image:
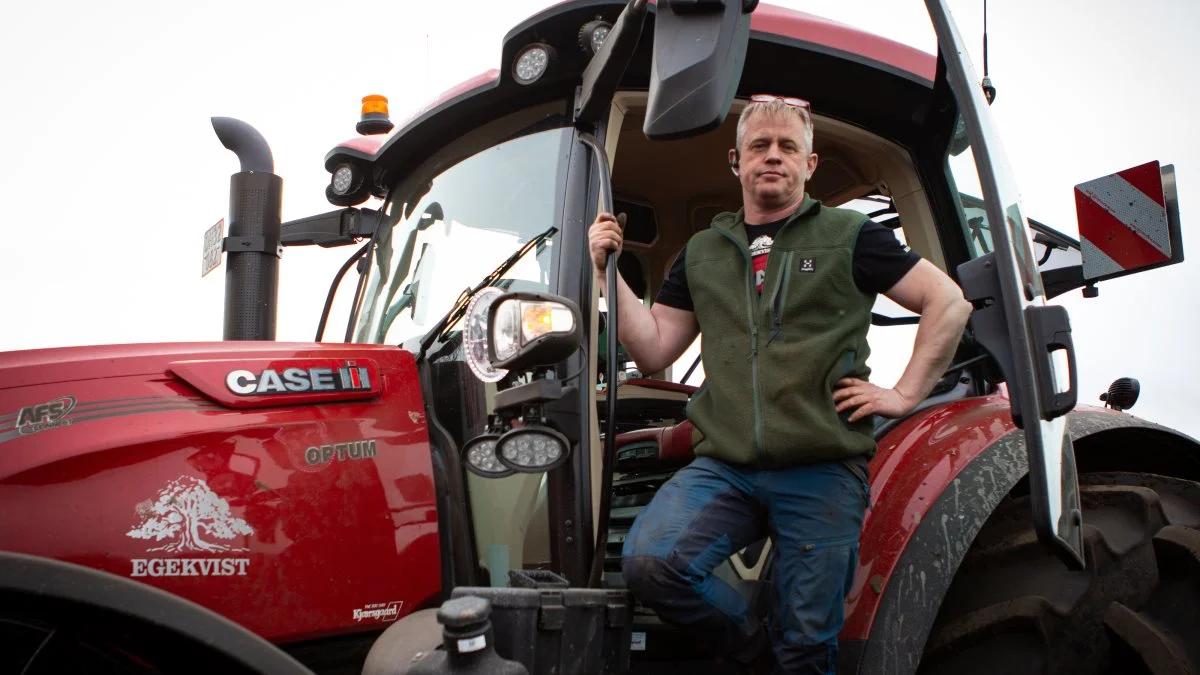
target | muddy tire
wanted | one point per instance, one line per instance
(1013, 608)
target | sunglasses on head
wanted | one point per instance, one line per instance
(789, 100)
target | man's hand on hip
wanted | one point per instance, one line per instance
(869, 399)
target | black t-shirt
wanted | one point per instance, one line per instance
(880, 260)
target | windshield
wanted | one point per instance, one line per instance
(475, 214)
(1051, 249)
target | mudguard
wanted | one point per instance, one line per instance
(935, 480)
(164, 629)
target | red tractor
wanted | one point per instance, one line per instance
(479, 444)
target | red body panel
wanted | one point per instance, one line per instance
(915, 464)
(789, 23)
(296, 521)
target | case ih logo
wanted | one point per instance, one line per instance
(383, 611)
(190, 518)
(299, 380)
(35, 418)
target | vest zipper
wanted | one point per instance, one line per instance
(780, 300)
(751, 306)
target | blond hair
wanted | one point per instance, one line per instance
(773, 109)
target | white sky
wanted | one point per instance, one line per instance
(111, 171)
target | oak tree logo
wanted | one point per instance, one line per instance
(189, 516)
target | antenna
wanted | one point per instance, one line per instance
(988, 89)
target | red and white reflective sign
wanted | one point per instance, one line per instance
(1123, 221)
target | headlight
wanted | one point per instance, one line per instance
(518, 323)
(505, 332)
(532, 329)
(532, 449)
(475, 335)
(480, 457)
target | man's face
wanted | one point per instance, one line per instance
(774, 164)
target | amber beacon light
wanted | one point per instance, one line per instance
(375, 119)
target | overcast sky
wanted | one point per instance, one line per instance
(111, 171)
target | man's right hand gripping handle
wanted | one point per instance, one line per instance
(653, 337)
(604, 239)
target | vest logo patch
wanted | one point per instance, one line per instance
(806, 265)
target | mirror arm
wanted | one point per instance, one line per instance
(604, 72)
(334, 228)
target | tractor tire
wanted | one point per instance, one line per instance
(1015, 608)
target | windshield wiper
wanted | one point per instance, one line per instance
(460, 305)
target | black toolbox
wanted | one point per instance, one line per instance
(555, 630)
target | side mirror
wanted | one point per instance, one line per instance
(1128, 222)
(699, 51)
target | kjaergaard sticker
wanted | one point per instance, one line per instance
(379, 611)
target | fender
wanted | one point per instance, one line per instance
(168, 630)
(950, 464)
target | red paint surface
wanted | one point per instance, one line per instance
(367, 145)
(915, 463)
(321, 540)
(789, 23)
(811, 28)
(481, 81)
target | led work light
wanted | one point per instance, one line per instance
(532, 449)
(481, 460)
(532, 62)
(348, 185)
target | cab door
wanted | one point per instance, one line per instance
(1030, 340)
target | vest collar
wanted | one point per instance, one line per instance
(735, 223)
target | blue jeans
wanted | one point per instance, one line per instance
(709, 510)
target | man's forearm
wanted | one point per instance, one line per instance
(637, 327)
(938, 334)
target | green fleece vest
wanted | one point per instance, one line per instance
(771, 361)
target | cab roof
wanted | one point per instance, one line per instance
(416, 137)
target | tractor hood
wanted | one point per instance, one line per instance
(230, 474)
(84, 397)
(74, 364)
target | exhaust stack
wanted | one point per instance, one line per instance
(253, 246)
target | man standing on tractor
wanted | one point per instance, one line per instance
(782, 293)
